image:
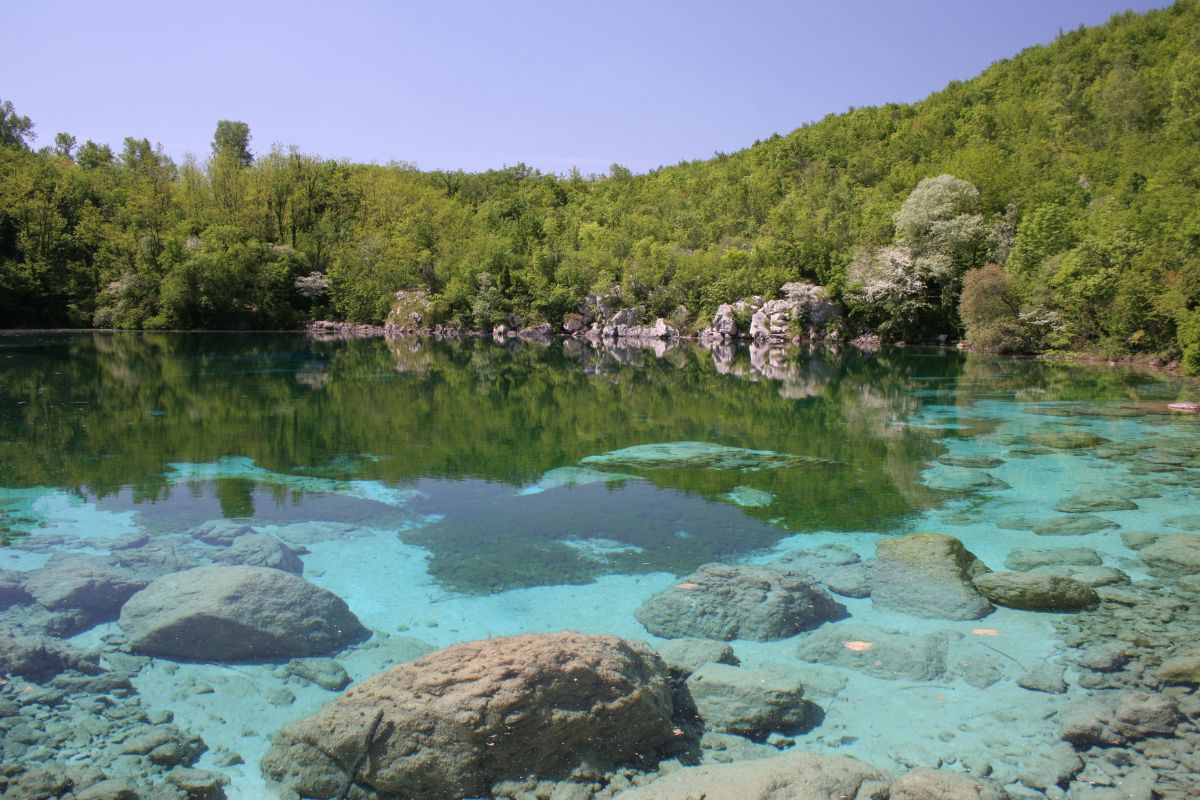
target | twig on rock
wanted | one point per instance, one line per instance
(358, 762)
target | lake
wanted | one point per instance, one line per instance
(442, 492)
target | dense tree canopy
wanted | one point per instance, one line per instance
(1075, 166)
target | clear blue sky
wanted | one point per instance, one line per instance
(474, 85)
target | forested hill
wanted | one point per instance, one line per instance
(1075, 166)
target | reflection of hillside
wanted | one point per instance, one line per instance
(105, 411)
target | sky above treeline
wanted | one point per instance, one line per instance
(479, 85)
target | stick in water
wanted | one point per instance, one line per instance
(358, 762)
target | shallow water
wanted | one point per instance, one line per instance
(464, 490)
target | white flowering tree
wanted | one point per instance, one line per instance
(907, 287)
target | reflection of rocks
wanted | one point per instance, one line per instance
(795, 776)
(1036, 591)
(456, 721)
(876, 652)
(739, 602)
(224, 613)
(694, 455)
(750, 702)
(928, 575)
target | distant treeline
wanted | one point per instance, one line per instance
(1053, 202)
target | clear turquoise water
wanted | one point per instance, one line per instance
(460, 490)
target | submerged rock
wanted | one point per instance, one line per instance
(1023, 559)
(40, 657)
(262, 550)
(224, 613)
(1066, 440)
(971, 462)
(1088, 576)
(964, 480)
(685, 656)
(929, 784)
(12, 588)
(221, 532)
(1095, 501)
(928, 575)
(324, 672)
(1045, 677)
(695, 455)
(1182, 669)
(1172, 556)
(749, 702)
(88, 583)
(1127, 717)
(725, 602)
(1073, 525)
(454, 722)
(795, 776)
(1036, 591)
(883, 654)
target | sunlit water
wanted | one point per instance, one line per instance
(465, 490)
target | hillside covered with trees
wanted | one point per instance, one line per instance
(1053, 202)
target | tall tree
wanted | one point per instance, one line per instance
(15, 130)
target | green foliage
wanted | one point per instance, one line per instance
(991, 311)
(1073, 164)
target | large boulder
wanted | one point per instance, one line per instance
(749, 702)
(725, 602)
(795, 776)
(454, 722)
(1172, 556)
(221, 613)
(928, 575)
(1036, 591)
(88, 583)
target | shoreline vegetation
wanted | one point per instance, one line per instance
(1049, 205)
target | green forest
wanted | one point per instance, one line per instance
(1050, 204)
